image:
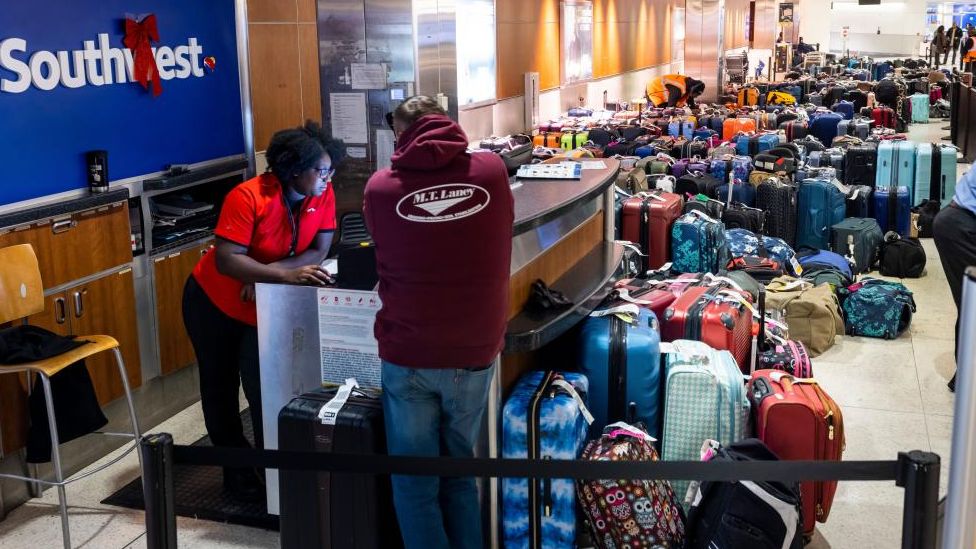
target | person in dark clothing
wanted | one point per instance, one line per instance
(954, 231)
(276, 227)
(674, 90)
(442, 221)
(937, 48)
(953, 37)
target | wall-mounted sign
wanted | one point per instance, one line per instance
(786, 12)
(70, 84)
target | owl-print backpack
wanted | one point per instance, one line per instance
(637, 514)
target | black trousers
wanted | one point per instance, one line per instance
(227, 357)
(954, 230)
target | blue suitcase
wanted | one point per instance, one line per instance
(893, 210)
(751, 145)
(923, 173)
(844, 108)
(920, 108)
(896, 165)
(542, 419)
(681, 127)
(698, 244)
(823, 126)
(820, 206)
(622, 361)
(935, 173)
(743, 192)
(740, 167)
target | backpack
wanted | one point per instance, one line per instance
(901, 257)
(741, 514)
(636, 512)
(878, 308)
(812, 312)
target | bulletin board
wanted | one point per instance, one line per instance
(68, 84)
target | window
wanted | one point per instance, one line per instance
(475, 26)
(577, 41)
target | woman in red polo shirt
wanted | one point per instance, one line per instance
(276, 227)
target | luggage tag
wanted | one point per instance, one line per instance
(628, 313)
(330, 412)
(571, 391)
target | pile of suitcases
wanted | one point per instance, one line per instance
(753, 250)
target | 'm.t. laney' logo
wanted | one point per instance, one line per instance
(440, 203)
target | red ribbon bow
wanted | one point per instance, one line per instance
(139, 36)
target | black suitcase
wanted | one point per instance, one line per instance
(319, 509)
(859, 201)
(860, 165)
(740, 216)
(778, 200)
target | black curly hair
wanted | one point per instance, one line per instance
(295, 150)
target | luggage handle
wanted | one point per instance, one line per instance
(571, 391)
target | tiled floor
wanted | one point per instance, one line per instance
(892, 393)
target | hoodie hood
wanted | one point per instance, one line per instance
(432, 142)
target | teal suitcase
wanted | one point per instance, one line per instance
(935, 173)
(896, 165)
(704, 398)
(920, 108)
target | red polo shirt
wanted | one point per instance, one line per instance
(255, 215)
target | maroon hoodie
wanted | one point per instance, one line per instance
(442, 221)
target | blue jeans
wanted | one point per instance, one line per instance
(430, 413)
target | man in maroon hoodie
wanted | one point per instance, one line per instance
(442, 221)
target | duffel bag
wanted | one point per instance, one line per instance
(812, 312)
(878, 308)
(901, 257)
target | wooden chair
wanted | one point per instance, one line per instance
(22, 295)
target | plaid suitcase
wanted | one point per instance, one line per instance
(704, 398)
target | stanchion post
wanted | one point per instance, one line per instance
(959, 531)
(918, 474)
(157, 490)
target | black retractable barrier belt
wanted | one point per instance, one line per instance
(784, 471)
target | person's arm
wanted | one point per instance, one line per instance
(315, 254)
(233, 261)
(674, 95)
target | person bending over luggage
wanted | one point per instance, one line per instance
(954, 231)
(442, 222)
(276, 227)
(674, 90)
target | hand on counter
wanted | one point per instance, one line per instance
(313, 275)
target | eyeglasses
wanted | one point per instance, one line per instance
(325, 173)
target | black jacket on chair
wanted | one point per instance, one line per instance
(76, 406)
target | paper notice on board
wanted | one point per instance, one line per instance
(348, 347)
(348, 114)
(368, 76)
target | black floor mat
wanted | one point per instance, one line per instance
(198, 493)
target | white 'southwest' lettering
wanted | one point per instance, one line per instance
(94, 65)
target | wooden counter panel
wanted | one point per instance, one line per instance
(78, 245)
(550, 266)
(554, 262)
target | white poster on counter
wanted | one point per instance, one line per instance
(347, 344)
(348, 114)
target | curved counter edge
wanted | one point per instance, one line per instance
(539, 201)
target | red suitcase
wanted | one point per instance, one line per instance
(705, 314)
(647, 221)
(884, 117)
(656, 295)
(799, 421)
